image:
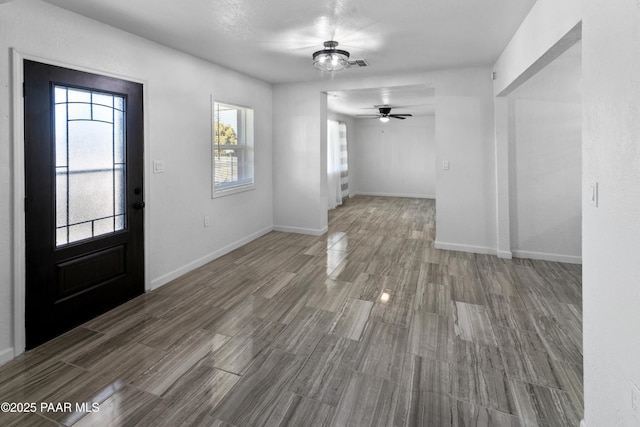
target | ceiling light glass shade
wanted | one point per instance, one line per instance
(384, 119)
(330, 58)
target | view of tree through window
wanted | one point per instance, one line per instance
(225, 134)
(232, 148)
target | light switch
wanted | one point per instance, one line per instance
(445, 165)
(158, 166)
(593, 194)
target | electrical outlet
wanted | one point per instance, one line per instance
(206, 220)
(635, 400)
(445, 165)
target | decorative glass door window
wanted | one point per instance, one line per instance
(90, 164)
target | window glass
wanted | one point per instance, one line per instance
(232, 149)
(90, 164)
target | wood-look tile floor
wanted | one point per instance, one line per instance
(365, 325)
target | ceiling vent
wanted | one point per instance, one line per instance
(359, 63)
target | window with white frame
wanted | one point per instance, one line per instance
(337, 163)
(232, 149)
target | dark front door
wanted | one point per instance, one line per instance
(84, 197)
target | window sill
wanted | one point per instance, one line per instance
(235, 190)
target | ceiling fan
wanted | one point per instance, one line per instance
(332, 59)
(385, 114)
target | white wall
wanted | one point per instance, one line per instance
(528, 50)
(299, 205)
(397, 158)
(177, 109)
(465, 194)
(545, 162)
(611, 158)
(611, 232)
(463, 134)
(550, 28)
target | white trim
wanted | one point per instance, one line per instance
(508, 254)
(464, 248)
(504, 254)
(19, 262)
(410, 196)
(233, 190)
(77, 67)
(166, 278)
(6, 355)
(17, 172)
(570, 259)
(299, 230)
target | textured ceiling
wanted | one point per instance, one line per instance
(273, 40)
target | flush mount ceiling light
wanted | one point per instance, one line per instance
(330, 58)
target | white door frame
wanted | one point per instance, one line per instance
(18, 175)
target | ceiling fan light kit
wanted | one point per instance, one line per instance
(385, 114)
(330, 58)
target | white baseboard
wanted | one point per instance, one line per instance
(569, 259)
(299, 230)
(410, 196)
(583, 423)
(6, 355)
(464, 248)
(166, 278)
(504, 254)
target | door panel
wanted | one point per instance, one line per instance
(89, 270)
(84, 176)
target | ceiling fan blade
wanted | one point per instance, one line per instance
(397, 117)
(400, 115)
